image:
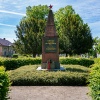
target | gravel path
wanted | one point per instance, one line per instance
(49, 93)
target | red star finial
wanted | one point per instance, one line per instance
(50, 6)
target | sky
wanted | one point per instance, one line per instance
(12, 11)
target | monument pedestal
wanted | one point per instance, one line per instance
(50, 52)
(50, 46)
(60, 69)
(53, 65)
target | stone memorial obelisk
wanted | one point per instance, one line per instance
(50, 45)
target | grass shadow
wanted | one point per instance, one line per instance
(76, 70)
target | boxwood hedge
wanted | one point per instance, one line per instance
(4, 84)
(13, 63)
(29, 76)
(94, 79)
(77, 61)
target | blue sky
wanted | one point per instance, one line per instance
(11, 12)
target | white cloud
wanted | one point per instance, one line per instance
(89, 10)
(7, 25)
(8, 37)
(10, 12)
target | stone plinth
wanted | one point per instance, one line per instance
(50, 46)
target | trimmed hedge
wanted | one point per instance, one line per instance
(15, 56)
(29, 76)
(4, 83)
(13, 63)
(94, 79)
(79, 61)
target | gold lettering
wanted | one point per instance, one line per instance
(50, 42)
(48, 48)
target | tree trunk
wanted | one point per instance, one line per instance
(34, 55)
(66, 54)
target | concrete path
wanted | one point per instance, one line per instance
(49, 93)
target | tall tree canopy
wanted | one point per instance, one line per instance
(30, 30)
(75, 35)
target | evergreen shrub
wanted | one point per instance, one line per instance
(77, 61)
(4, 84)
(94, 80)
(15, 56)
(29, 76)
(13, 63)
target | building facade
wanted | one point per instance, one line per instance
(6, 49)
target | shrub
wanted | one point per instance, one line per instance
(2, 59)
(81, 61)
(94, 79)
(86, 62)
(28, 76)
(97, 60)
(4, 84)
(1, 62)
(12, 63)
(15, 56)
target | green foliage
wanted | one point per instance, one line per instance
(75, 36)
(83, 62)
(30, 31)
(13, 63)
(97, 60)
(97, 44)
(4, 84)
(28, 75)
(1, 61)
(15, 56)
(96, 47)
(94, 80)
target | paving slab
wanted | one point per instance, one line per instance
(49, 93)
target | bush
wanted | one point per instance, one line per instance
(2, 59)
(28, 76)
(81, 61)
(4, 84)
(15, 56)
(12, 63)
(94, 79)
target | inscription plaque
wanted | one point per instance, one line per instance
(50, 44)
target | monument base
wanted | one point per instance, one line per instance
(60, 69)
(53, 65)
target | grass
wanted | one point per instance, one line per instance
(28, 75)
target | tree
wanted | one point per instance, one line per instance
(96, 44)
(30, 30)
(96, 47)
(72, 31)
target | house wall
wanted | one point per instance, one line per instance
(6, 51)
(0, 50)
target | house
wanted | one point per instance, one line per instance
(6, 48)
